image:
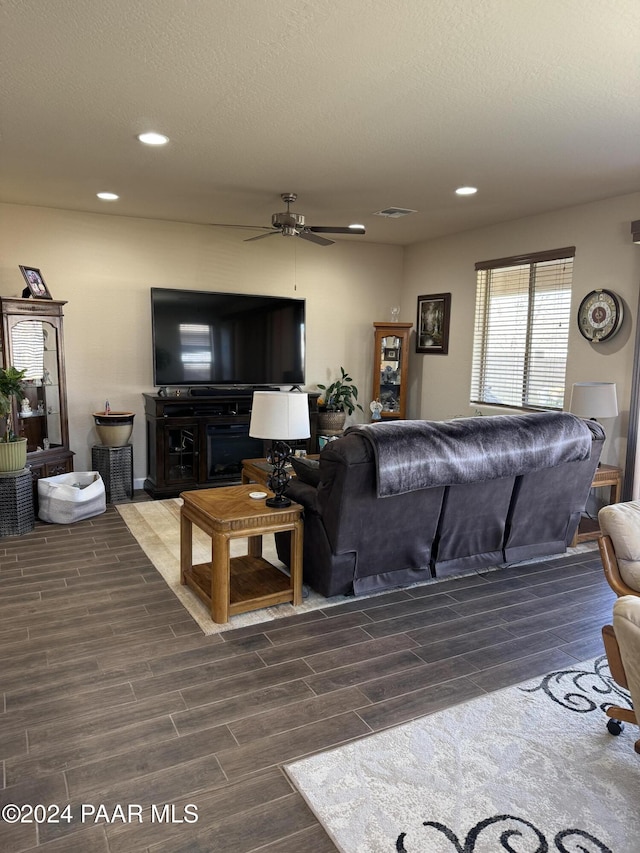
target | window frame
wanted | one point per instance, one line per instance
(481, 356)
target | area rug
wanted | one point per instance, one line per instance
(156, 527)
(527, 769)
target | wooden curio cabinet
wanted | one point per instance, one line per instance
(391, 368)
(32, 340)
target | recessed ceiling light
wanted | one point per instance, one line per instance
(466, 191)
(153, 138)
(356, 226)
(108, 196)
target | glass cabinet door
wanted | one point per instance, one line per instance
(390, 373)
(34, 346)
(391, 360)
(182, 456)
(32, 340)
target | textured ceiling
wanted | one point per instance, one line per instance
(356, 105)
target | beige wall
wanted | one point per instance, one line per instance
(605, 257)
(104, 265)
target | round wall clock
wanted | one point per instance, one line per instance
(600, 315)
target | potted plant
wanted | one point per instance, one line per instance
(13, 449)
(339, 400)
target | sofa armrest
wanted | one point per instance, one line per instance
(302, 493)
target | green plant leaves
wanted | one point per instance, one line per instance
(10, 389)
(341, 395)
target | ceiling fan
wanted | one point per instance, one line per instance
(292, 224)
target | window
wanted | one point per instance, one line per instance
(521, 335)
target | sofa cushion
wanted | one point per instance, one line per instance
(622, 523)
(307, 470)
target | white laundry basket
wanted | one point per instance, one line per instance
(71, 497)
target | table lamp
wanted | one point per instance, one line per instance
(281, 416)
(594, 400)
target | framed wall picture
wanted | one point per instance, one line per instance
(432, 326)
(35, 283)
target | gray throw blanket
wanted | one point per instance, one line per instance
(413, 455)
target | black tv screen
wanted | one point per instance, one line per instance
(208, 338)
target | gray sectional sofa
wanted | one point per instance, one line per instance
(404, 501)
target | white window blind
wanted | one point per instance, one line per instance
(521, 334)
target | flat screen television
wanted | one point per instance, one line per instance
(207, 338)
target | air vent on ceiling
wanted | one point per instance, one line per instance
(394, 212)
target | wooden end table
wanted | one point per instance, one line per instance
(259, 470)
(605, 475)
(230, 585)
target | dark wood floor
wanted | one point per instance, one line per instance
(113, 696)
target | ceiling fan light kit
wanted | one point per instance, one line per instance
(290, 224)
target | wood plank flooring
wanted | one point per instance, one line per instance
(111, 695)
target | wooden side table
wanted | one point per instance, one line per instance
(258, 470)
(230, 585)
(606, 475)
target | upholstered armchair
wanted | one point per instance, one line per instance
(622, 645)
(620, 552)
(620, 546)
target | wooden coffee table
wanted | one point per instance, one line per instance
(230, 585)
(258, 470)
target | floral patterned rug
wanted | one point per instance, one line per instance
(527, 769)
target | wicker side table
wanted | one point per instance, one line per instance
(115, 466)
(16, 503)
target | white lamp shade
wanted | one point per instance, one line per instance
(594, 400)
(280, 415)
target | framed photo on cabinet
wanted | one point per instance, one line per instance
(432, 325)
(35, 283)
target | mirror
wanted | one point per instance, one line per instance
(34, 348)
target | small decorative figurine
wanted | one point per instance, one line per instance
(376, 407)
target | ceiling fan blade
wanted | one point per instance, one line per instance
(260, 236)
(306, 234)
(326, 229)
(246, 227)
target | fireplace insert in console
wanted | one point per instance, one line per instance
(227, 446)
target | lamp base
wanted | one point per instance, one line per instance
(278, 502)
(277, 482)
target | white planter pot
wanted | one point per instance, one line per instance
(13, 455)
